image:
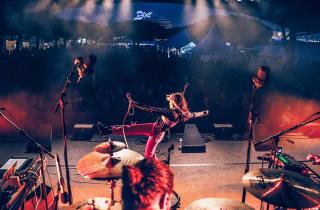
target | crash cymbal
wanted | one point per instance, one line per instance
(217, 204)
(98, 203)
(282, 188)
(105, 147)
(100, 166)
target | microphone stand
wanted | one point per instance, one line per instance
(169, 154)
(251, 122)
(61, 105)
(42, 151)
(276, 136)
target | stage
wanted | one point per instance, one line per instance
(216, 173)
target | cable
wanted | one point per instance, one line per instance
(125, 118)
(51, 185)
(82, 182)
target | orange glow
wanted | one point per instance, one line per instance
(283, 111)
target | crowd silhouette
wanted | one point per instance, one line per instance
(221, 85)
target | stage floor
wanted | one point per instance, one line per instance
(216, 173)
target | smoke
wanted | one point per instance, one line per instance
(28, 110)
(282, 111)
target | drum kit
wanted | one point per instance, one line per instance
(283, 188)
(276, 186)
(105, 163)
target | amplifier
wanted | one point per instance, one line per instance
(83, 132)
(223, 131)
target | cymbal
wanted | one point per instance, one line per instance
(105, 147)
(100, 166)
(98, 203)
(217, 204)
(282, 188)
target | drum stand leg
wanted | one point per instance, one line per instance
(112, 187)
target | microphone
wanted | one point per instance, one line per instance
(78, 61)
(128, 95)
(261, 77)
(85, 67)
(64, 196)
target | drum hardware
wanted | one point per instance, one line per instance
(98, 203)
(282, 188)
(286, 162)
(275, 138)
(106, 165)
(217, 204)
(175, 198)
(109, 147)
(94, 165)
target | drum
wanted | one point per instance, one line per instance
(175, 201)
(97, 203)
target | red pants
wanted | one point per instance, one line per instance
(151, 130)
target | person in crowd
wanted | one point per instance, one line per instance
(147, 186)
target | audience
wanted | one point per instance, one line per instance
(222, 85)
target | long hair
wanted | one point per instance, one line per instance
(144, 183)
(178, 103)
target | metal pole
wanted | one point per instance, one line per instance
(251, 121)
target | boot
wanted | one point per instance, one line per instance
(104, 130)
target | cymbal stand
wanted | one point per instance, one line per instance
(112, 187)
(112, 182)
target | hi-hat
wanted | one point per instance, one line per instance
(282, 188)
(98, 203)
(100, 166)
(217, 204)
(109, 147)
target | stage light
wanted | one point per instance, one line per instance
(125, 12)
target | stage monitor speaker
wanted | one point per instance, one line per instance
(44, 136)
(83, 132)
(223, 131)
(192, 141)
